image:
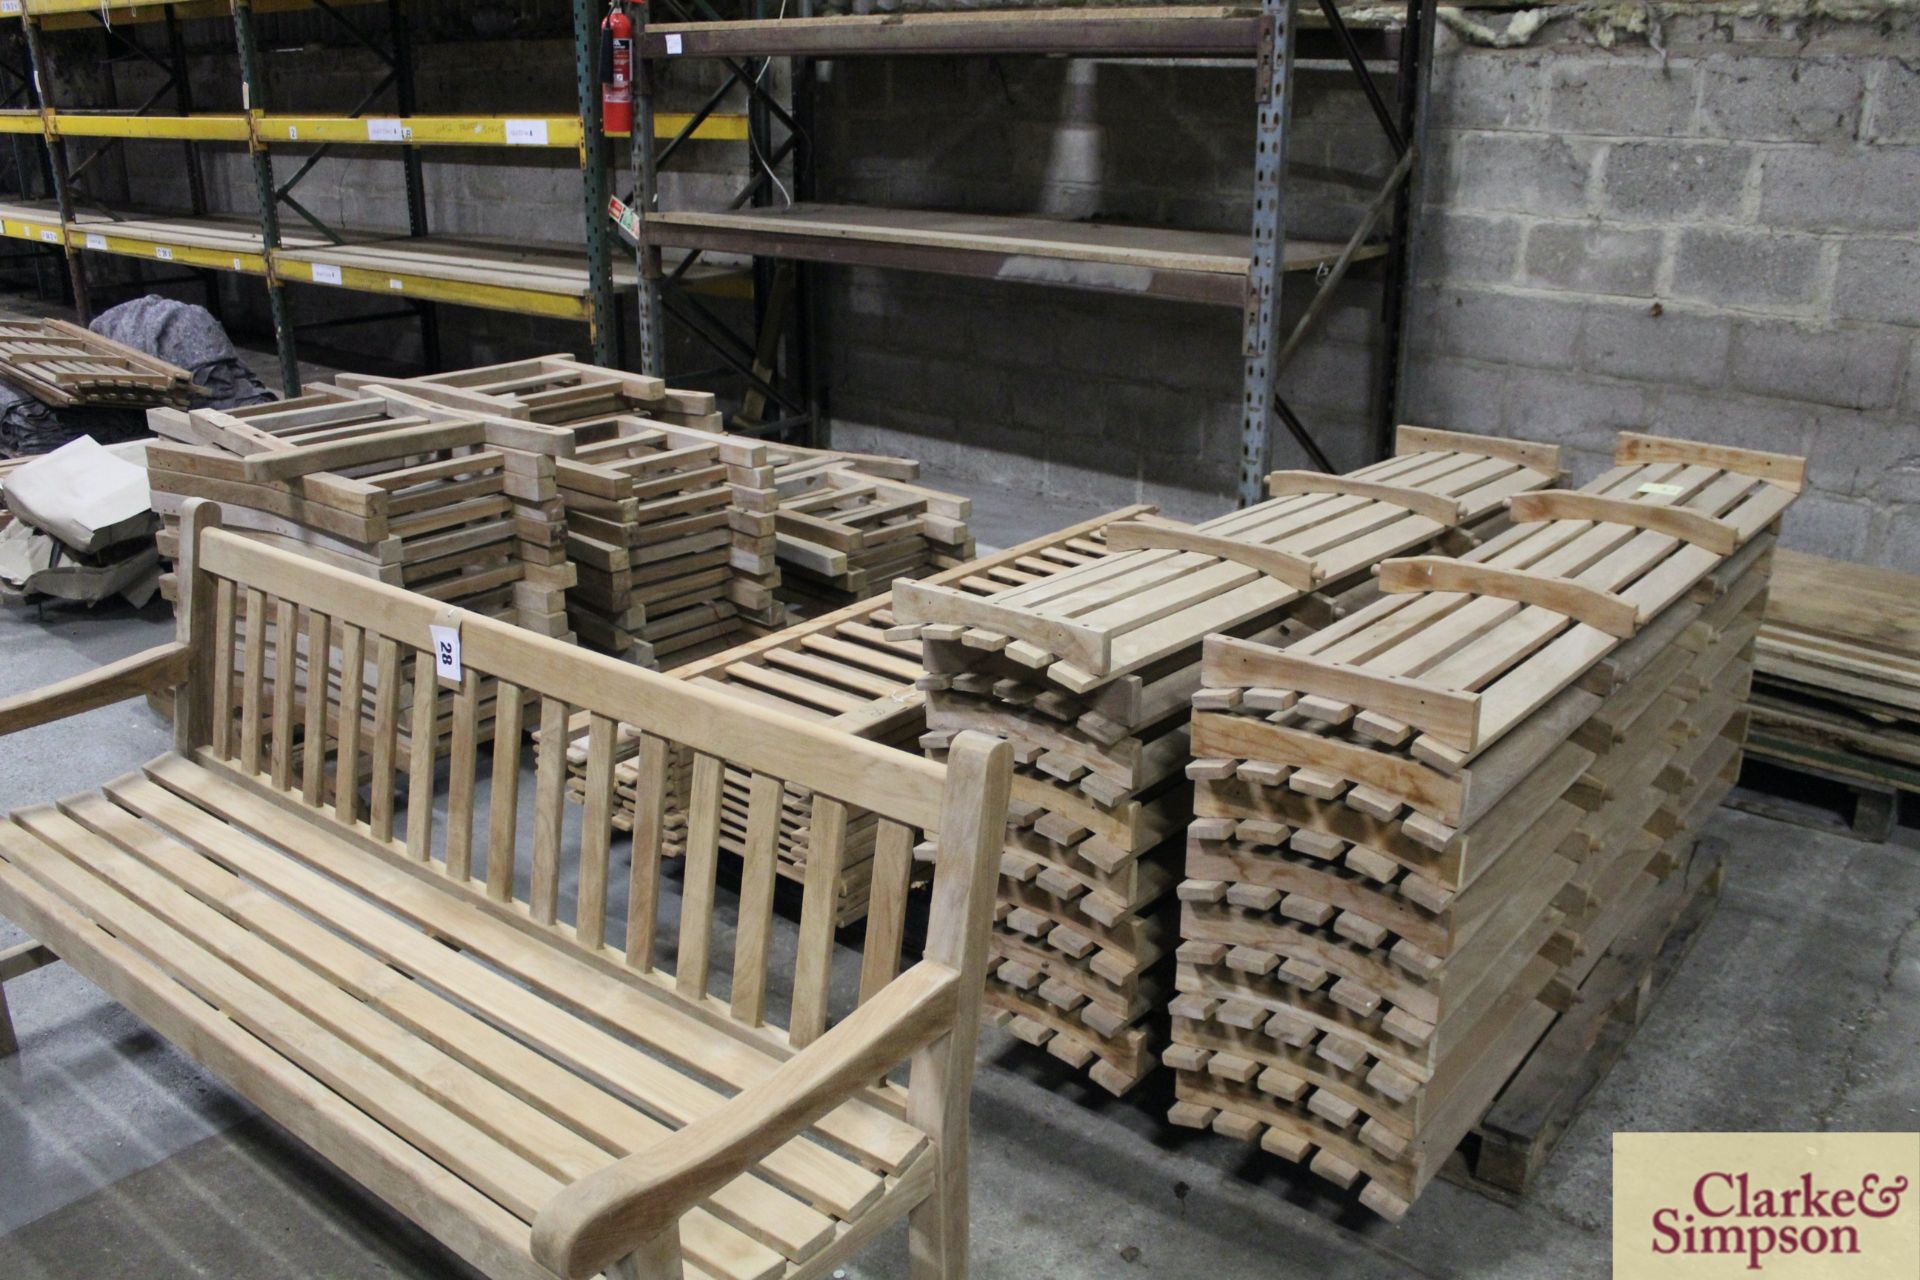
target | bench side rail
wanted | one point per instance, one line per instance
(332, 676)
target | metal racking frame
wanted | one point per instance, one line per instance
(422, 274)
(1268, 33)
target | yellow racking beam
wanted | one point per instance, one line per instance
(495, 297)
(56, 15)
(187, 255)
(195, 128)
(470, 131)
(476, 131)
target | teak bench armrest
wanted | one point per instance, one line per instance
(161, 667)
(634, 1205)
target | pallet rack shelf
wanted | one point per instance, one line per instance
(1243, 271)
(575, 282)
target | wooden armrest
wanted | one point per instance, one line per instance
(631, 1203)
(160, 667)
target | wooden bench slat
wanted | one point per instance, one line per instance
(286, 682)
(702, 863)
(596, 833)
(554, 1015)
(759, 866)
(813, 965)
(469, 1223)
(580, 1125)
(549, 811)
(649, 839)
(503, 794)
(886, 907)
(313, 740)
(421, 735)
(505, 1177)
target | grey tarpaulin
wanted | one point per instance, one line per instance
(27, 426)
(183, 334)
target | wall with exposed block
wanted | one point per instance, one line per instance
(1708, 227)
(1718, 237)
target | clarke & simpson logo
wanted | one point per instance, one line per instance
(1783, 1205)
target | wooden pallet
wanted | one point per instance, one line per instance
(1505, 1152)
(1420, 828)
(63, 365)
(1090, 675)
(839, 671)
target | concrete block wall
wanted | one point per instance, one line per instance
(1719, 238)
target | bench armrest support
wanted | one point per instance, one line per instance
(610, 1214)
(161, 667)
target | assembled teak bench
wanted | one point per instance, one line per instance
(440, 1014)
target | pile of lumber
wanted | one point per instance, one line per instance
(434, 504)
(1089, 674)
(1421, 828)
(851, 524)
(64, 365)
(842, 672)
(1837, 686)
(669, 523)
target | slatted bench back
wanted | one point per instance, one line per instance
(286, 624)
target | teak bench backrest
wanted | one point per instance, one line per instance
(242, 601)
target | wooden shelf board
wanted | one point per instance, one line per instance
(1200, 266)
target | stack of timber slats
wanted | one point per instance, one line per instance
(851, 524)
(1419, 829)
(1837, 688)
(62, 365)
(840, 671)
(669, 523)
(436, 506)
(1090, 674)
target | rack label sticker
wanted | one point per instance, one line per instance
(673, 44)
(9, 6)
(237, 266)
(387, 131)
(96, 241)
(51, 237)
(325, 273)
(1664, 490)
(446, 651)
(163, 253)
(526, 133)
(293, 132)
(395, 283)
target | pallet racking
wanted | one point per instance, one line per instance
(1243, 271)
(421, 268)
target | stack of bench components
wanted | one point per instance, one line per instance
(362, 484)
(840, 671)
(63, 365)
(1420, 828)
(1089, 674)
(1837, 683)
(851, 524)
(669, 524)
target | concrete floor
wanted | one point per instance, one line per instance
(1797, 1010)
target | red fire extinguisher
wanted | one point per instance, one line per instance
(616, 71)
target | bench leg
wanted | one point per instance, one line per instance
(659, 1259)
(15, 961)
(937, 1226)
